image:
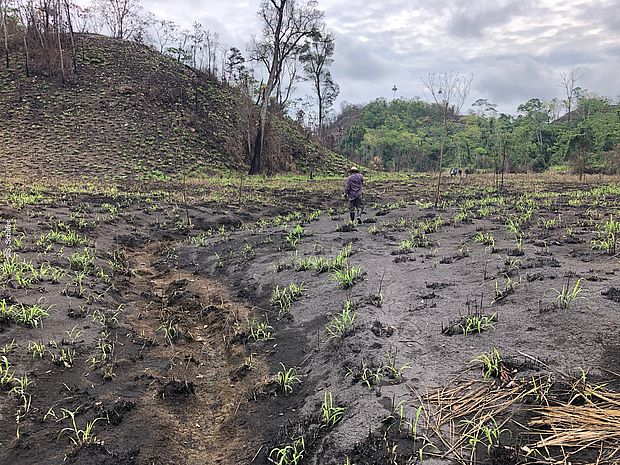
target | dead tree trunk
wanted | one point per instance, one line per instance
(441, 152)
(72, 37)
(3, 17)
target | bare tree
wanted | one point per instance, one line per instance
(197, 39)
(21, 15)
(121, 16)
(317, 54)
(212, 43)
(288, 79)
(165, 31)
(85, 19)
(285, 24)
(569, 83)
(4, 15)
(448, 91)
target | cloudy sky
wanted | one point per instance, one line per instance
(515, 49)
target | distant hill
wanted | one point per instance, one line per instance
(133, 113)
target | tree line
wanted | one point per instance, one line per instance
(40, 37)
(579, 132)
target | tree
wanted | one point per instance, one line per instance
(484, 108)
(197, 38)
(212, 43)
(235, 65)
(579, 145)
(448, 91)
(121, 16)
(286, 23)
(165, 31)
(569, 83)
(316, 56)
(86, 19)
(4, 18)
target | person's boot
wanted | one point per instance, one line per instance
(352, 216)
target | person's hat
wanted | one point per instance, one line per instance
(354, 169)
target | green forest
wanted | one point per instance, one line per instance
(407, 134)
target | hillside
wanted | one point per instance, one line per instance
(140, 113)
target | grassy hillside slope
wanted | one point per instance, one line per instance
(132, 113)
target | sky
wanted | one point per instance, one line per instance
(515, 49)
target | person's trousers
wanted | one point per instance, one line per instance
(356, 207)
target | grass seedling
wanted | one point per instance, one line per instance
(22, 314)
(371, 377)
(37, 349)
(486, 434)
(390, 369)
(22, 383)
(260, 330)
(7, 375)
(8, 347)
(415, 423)
(283, 298)
(73, 335)
(83, 261)
(79, 436)
(485, 239)
(343, 323)
(111, 209)
(567, 295)
(608, 237)
(170, 330)
(287, 378)
(491, 364)
(288, 455)
(249, 361)
(477, 323)
(330, 414)
(508, 289)
(65, 358)
(69, 238)
(295, 235)
(248, 251)
(406, 246)
(347, 275)
(340, 261)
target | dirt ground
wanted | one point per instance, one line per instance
(151, 330)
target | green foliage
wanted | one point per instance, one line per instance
(406, 134)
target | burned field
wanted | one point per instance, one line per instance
(270, 331)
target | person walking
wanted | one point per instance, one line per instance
(353, 190)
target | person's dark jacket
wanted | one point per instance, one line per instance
(353, 188)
